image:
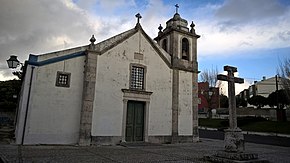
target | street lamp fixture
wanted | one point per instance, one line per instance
(210, 93)
(13, 62)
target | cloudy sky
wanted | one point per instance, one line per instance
(253, 35)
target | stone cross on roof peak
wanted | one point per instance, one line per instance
(138, 16)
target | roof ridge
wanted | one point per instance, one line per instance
(112, 41)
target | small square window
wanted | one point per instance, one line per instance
(62, 79)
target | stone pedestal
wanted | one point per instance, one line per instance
(234, 140)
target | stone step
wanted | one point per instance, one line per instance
(231, 157)
(224, 160)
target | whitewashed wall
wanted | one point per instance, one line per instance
(54, 112)
(113, 72)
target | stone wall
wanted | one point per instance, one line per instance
(222, 113)
(253, 112)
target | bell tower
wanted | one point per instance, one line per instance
(180, 43)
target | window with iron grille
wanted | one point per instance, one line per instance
(62, 79)
(137, 78)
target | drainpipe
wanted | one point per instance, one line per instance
(27, 105)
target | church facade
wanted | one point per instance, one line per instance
(128, 88)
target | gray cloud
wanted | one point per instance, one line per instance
(245, 43)
(228, 26)
(284, 36)
(34, 26)
(244, 11)
(37, 27)
(112, 4)
(86, 4)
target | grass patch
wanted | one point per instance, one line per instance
(212, 123)
(268, 126)
(249, 124)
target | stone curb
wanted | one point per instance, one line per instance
(250, 132)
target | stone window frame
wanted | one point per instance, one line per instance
(144, 77)
(59, 75)
(188, 49)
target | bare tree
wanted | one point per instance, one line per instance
(19, 74)
(210, 76)
(284, 73)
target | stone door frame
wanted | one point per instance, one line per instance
(134, 95)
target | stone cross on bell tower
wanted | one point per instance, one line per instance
(234, 138)
(176, 8)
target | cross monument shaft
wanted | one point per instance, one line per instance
(231, 79)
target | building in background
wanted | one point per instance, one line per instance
(262, 88)
(265, 87)
(208, 97)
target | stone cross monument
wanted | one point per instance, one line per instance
(234, 138)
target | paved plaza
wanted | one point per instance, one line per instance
(189, 152)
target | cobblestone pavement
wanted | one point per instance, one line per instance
(189, 152)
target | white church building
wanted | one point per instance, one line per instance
(128, 88)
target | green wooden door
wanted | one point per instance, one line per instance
(135, 121)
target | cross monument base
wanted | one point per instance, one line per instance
(234, 140)
(228, 157)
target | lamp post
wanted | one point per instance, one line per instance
(277, 89)
(209, 102)
(13, 62)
